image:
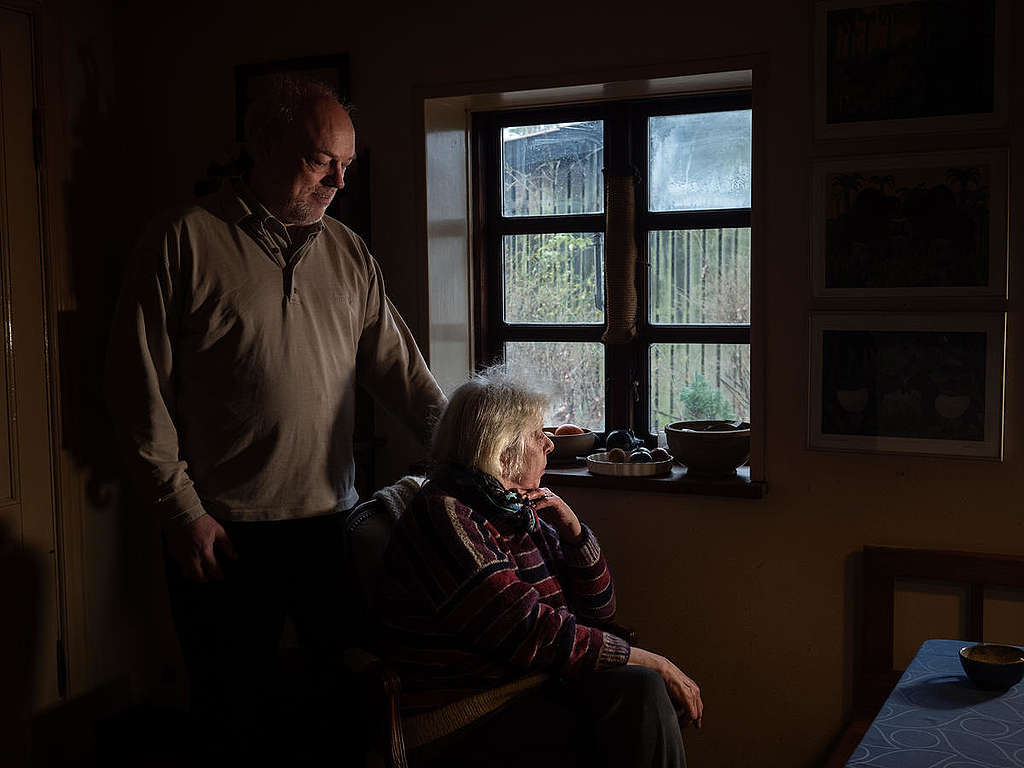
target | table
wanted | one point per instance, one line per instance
(936, 718)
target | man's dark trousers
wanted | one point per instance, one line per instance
(244, 701)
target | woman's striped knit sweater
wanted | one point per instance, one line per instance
(466, 603)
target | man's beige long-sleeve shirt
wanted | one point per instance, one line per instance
(234, 360)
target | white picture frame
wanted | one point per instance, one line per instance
(940, 220)
(925, 384)
(867, 82)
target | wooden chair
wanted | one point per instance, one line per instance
(367, 533)
(874, 676)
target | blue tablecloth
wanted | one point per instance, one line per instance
(936, 718)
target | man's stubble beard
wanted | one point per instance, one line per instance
(303, 212)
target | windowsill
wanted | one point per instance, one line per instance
(738, 487)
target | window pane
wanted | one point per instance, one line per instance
(571, 372)
(552, 169)
(699, 276)
(554, 278)
(699, 162)
(699, 381)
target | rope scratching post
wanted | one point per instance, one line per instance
(620, 261)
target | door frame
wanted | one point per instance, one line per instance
(52, 169)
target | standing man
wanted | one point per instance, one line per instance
(243, 328)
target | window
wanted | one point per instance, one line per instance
(631, 307)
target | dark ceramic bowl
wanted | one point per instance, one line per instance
(568, 447)
(993, 667)
(711, 448)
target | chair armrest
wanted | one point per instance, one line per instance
(379, 687)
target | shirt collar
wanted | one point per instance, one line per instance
(248, 209)
(249, 205)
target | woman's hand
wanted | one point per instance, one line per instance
(555, 512)
(681, 689)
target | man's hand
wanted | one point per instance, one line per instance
(681, 689)
(555, 512)
(194, 548)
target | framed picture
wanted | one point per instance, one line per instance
(914, 383)
(903, 66)
(911, 225)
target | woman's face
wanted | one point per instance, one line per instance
(538, 446)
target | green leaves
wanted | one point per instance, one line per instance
(703, 403)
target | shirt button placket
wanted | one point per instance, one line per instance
(290, 294)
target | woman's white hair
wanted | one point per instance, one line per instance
(487, 422)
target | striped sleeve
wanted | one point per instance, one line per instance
(586, 579)
(479, 597)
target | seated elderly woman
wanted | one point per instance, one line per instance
(489, 578)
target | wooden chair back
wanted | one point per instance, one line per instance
(882, 566)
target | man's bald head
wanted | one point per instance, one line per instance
(281, 102)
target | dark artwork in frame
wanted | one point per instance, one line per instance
(925, 227)
(911, 384)
(918, 224)
(927, 384)
(908, 60)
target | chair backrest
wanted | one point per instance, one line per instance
(368, 530)
(882, 566)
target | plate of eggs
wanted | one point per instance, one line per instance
(639, 462)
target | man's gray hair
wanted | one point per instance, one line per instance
(487, 422)
(280, 102)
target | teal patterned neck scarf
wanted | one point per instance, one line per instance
(480, 489)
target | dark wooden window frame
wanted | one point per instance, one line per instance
(626, 395)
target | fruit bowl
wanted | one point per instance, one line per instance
(601, 464)
(709, 448)
(568, 447)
